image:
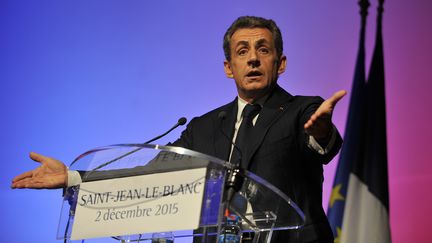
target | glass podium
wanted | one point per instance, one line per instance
(258, 207)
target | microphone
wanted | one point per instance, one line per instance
(235, 176)
(180, 122)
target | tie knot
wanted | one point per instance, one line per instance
(251, 110)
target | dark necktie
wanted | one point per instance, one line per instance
(243, 134)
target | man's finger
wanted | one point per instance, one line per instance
(310, 122)
(34, 183)
(336, 97)
(22, 176)
(37, 157)
(22, 183)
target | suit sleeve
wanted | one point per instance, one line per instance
(308, 153)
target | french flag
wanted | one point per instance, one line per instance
(359, 203)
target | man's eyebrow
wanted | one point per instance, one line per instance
(260, 42)
(242, 43)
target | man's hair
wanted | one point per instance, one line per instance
(249, 22)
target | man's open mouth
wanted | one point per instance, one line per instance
(254, 74)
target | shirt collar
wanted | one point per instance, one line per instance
(241, 103)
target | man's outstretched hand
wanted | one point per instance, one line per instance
(319, 124)
(50, 174)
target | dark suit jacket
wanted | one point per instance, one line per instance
(278, 153)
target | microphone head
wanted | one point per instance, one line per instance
(182, 121)
(222, 115)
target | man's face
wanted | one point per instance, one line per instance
(254, 62)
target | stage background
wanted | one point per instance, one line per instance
(75, 75)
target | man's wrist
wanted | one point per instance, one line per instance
(324, 141)
(323, 148)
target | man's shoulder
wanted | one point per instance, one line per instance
(304, 104)
(280, 97)
(307, 99)
(295, 104)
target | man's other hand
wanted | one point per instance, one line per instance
(50, 174)
(319, 124)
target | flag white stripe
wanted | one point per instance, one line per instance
(365, 217)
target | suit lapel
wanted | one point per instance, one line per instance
(225, 130)
(272, 110)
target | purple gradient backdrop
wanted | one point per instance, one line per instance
(78, 75)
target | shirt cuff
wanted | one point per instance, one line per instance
(74, 178)
(314, 145)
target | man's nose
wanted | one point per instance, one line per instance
(253, 60)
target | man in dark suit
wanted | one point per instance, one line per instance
(291, 138)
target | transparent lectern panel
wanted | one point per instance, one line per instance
(260, 206)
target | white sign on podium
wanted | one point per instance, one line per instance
(159, 202)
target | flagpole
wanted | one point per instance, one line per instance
(364, 6)
(380, 13)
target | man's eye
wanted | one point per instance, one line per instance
(242, 52)
(264, 50)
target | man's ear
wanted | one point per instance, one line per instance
(227, 69)
(282, 64)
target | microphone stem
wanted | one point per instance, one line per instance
(156, 138)
(135, 150)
